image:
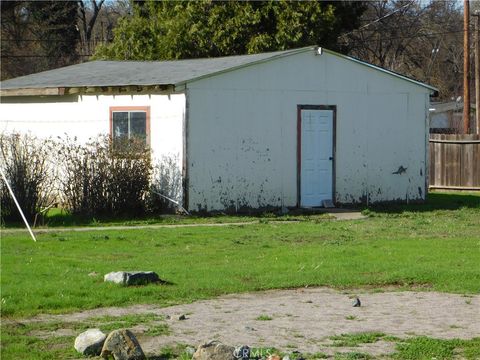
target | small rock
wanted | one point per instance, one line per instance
(309, 301)
(90, 342)
(128, 278)
(249, 328)
(93, 274)
(243, 352)
(190, 350)
(122, 345)
(214, 350)
(356, 302)
(286, 357)
(182, 317)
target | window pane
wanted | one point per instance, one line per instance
(138, 125)
(120, 125)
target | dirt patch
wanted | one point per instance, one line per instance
(304, 319)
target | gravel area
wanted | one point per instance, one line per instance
(304, 319)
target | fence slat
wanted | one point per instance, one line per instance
(454, 161)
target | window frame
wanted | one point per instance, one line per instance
(145, 109)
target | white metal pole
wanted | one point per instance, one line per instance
(173, 201)
(18, 205)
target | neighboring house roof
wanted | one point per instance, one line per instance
(440, 107)
(153, 73)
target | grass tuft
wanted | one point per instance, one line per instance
(423, 348)
(351, 340)
(158, 329)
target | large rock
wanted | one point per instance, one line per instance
(90, 342)
(122, 345)
(132, 277)
(214, 350)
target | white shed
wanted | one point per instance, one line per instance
(283, 129)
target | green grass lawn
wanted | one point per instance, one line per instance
(435, 246)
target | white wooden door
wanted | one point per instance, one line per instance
(316, 166)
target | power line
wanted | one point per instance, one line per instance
(49, 40)
(420, 35)
(38, 56)
(377, 20)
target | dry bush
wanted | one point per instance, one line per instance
(100, 180)
(167, 181)
(25, 161)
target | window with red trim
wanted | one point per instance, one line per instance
(130, 122)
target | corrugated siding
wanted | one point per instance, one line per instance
(243, 127)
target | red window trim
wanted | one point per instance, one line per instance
(131, 108)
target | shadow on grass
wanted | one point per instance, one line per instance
(59, 218)
(435, 201)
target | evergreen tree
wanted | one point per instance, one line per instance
(175, 30)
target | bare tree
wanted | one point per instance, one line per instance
(88, 16)
(97, 19)
(419, 39)
(37, 35)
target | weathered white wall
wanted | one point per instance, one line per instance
(87, 116)
(242, 133)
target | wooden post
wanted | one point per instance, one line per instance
(477, 72)
(466, 67)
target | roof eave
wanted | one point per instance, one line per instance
(50, 91)
(86, 90)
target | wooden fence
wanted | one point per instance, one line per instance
(454, 162)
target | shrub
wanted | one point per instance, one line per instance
(27, 166)
(98, 180)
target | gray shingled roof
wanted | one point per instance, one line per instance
(152, 73)
(125, 73)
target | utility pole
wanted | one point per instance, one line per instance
(477, 72)
(466, 67)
